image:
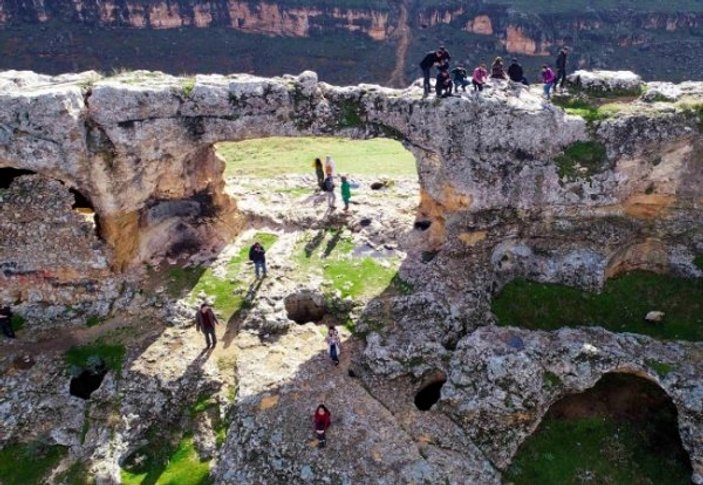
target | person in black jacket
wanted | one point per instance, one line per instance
(257, 254)
(516, 73)
(561, 67)
(443, 84)
(6, 322)
(430, 59)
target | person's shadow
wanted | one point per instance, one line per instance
(240, 315)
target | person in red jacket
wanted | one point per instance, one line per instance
(322, 420)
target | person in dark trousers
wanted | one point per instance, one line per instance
(6, 322)
(328, 187)
(430, 59)
(257, 254)
(459, 77)
(479, 77)
(443, 85)
(322, 420)
(334, 344)
(319, 172)
(561, 67)
(516, 73)
(205, 322)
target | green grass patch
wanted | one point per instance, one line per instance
(551, 379)
(621, 307)
(26, 463)
(593, 450)
(226, 290)
(85, 356)
(187, 86)
(94, 320)
(76, 474)
(182, 279)
(203, 403)
(268, 157)
(350, 276)
(698, 261)
(161, 464)
(661, 368)
(17, 322)
(581, 155)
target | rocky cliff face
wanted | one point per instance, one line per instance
(653, 41)
(503, 194)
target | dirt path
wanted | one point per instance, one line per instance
(403, 34)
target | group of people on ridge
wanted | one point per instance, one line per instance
(325, 181)
(449, 81)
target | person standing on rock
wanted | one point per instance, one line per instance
(479, 77)
(6, 322)
(319, 172)
(334, 344)
(322, 420)
(430, 59)
(561, 67)
(548, 79)
(346, 193)
(257, 254)
(459, 77)
(205, 322)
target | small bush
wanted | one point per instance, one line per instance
(582, 158)
(86, 356)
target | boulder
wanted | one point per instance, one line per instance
(607, 83)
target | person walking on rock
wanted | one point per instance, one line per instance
(561, 67)
(319, 172)
(333, 343)
(6, 322)
(257, 254)
(321, 422)
(329, 189)
(346, 193)
(479, 77)
(205, 322)
(548, 79)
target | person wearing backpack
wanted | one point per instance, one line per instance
(257, 254)
(329, 189)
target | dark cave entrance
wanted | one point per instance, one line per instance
(430, 393)
(9, 174)
(305, 307)
(87, 382)
(622, 430)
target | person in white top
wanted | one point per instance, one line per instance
(329, 166)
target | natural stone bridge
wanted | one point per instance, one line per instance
(139, 146)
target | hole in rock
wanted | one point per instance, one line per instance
(430, 393)
(9, 174)
(624, 430)
(305, 306)
(365, 222)
(377, 185)
(88, 381)
(423, 225)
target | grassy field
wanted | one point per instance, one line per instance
(267, 157)
(22, 464)
(166, 465)
(621, 307)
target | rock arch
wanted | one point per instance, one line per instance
(648, 255)
(140, 145)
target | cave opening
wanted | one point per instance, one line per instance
(622, 430)
(88, 381)
(9, 174)
(305, 307)
(430, 393)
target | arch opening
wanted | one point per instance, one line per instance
(88, 381)
(9, 174)
(430, 393)
(622, 430)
